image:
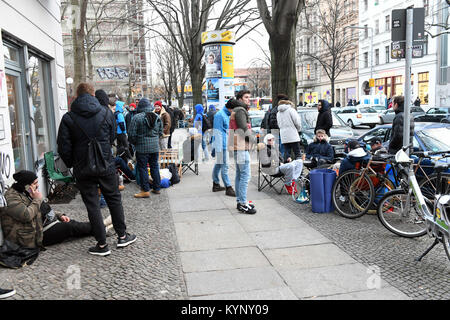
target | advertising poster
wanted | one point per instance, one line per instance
(213, 61)
(227, 61)
(212, 89)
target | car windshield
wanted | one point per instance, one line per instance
(432, 138)
(380, 108)
(416, 109)
(256, 121)
(367, 110)
(309, 118)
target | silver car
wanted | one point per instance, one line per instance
(388, 115)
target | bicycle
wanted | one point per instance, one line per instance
(394, 209)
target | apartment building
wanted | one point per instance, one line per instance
(313, 82)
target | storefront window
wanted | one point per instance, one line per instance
(423, 87)
(10, 54)
(398, 85)
(40, 104)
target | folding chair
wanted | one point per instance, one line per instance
(265, 180)
(169, 156)
(54, 176)
(190, 154)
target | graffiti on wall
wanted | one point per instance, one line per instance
(112, 72)
(5, 164)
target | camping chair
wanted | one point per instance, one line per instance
(169, 156)
(55, 177)
(265, 180)
(190, 154)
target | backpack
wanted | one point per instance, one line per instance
(205, 124)
(175, 176)
(96, 164)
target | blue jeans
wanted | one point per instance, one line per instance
(242, 161)
(221, 165)
(152, 159)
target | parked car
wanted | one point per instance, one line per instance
(427, 136)
(255, 121)
(357, 115)
(388, 115)
(434, 115)
(339, 132)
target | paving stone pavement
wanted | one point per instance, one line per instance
(368, 242)
(148, 269)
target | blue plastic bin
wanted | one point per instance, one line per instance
(322, 181)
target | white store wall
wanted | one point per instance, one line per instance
(36, 24)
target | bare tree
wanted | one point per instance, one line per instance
(258, 78)
(334, 41)
(186, 20)
(281, 24)
(438, 21)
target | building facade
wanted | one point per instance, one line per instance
(32, 83)
(375, 59)
(313, 83)
(115, 46)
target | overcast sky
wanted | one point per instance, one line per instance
(245, 50)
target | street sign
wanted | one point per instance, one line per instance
(398, 49)
(417, 50)
(398, 30)
(371, 83)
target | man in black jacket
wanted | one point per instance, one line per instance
(87, 114)
(396, 139)
(324, 118)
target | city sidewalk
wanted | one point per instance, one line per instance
(270, 255)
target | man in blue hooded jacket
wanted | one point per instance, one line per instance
(123, 149)
(199, 125)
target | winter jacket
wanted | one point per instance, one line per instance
(320, 150)
(21, 220)
(324, 119)
(240, 133)
(120, 119)
(73, 143)
(354, 156)
(128, 118)
(273, 123)
(198, 120)
(145, 129)
(396, 139)
(220, 129)
(210, 115)
(172, 118)
(289, 122)
(166, 121)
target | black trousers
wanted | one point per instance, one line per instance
(291, 147)
(65, 230)
(123, 146)
(110, 189)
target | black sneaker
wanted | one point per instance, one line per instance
(230, 192)
(251, 205)
(216, 187)
(129, 239)
(246, 209)
(98, 251)
(5, 293)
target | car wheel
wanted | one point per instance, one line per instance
(350, 124)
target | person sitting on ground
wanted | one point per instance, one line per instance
(30, 222)
(319, 152)
(356, 153)
(272, 163)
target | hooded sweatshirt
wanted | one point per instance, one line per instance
(120, 119)
(145, 129)
(354, 156)
(289, 122)
(198, 121)
(210, 115)
(324, 119)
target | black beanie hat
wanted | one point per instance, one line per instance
(102, 97)
(353, 144)
(24, 177)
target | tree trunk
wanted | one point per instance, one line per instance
(78, 35)
(196, 81)
(90, 65)
(282, 50)
(332, 91)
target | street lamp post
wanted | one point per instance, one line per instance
(371, 48)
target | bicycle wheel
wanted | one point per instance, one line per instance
(302, 191)
(393, 215)
(446, 243)
(428, 185)
(352, 194)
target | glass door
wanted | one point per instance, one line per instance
(20, 137)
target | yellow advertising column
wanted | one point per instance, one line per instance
(219, 67)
